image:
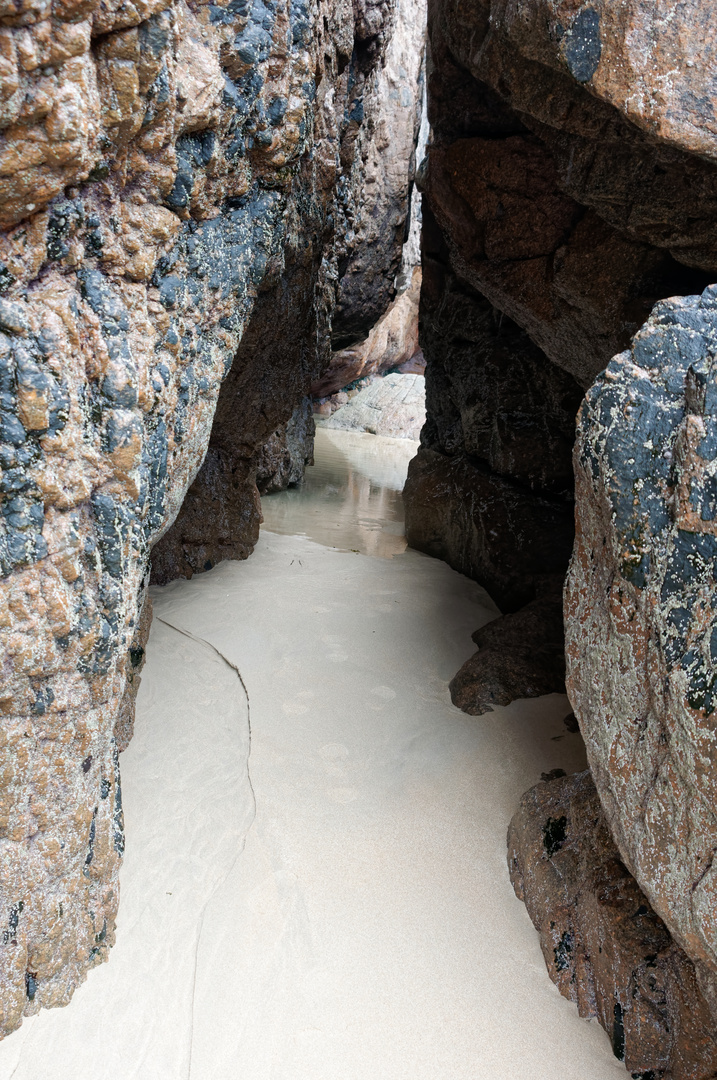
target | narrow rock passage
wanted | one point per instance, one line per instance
(360, 925)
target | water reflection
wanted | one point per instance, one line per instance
(351, 498)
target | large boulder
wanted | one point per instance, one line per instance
(604, 946)
(490, 490)
(640, 611)
(571, 186)
(566, 199)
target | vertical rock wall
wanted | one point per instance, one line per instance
(175, 186)
(568, 220)
(571, 184)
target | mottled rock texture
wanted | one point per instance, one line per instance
(282, 460)
(393, 406)
(288, 342)
(392, 342)
(604, 946)
(640, 606)
(179, 191)
(560, 196)
(386, 130)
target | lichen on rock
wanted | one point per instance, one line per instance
(167, 171)
(639, 609)
(604, 946)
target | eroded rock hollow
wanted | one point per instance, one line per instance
(195, 200)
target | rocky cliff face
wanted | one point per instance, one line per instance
(571, 186)
(180, 190)
(556, 216)
(333, 280)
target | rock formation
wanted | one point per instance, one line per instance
(392, 342)
(552, 224)
(641, 620)
(571, 186)
(364, 211)
(376, 193)
(604, 946)
(180, 192)
(519, 655)
(282, 460)
(393, 406)
(490, 489)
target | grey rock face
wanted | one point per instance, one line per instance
(282, 460)
(376, 201)
(491, 393)
(393, 406)
(640, 615)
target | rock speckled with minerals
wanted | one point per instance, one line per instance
(640, 616)
(163, 166)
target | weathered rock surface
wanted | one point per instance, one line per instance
(555, 215)
(571, 185)
(562, 204)
(392, 342)
(393, 406)
(176, 184)
(485, 527)
(604, 947)
(288, 342)
(641, 622)
(282, 460)
(490, 392)
(552, 223)
(491, 488)
(376, 192)
(519, 655)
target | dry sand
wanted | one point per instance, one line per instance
(341, 909)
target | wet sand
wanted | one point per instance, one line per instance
(315, 885)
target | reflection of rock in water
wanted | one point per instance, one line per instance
(351, 498)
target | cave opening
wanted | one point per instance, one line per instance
(349, 271)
